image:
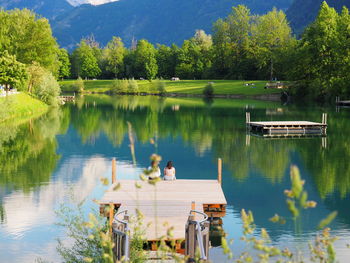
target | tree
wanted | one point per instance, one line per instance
(84, 61)
(271, 34)
(194, 57)
(12, 73)
(29, 38)
(64, 63)
(145, 60)
(322, 55)
(114, 55)
(232, 43)
(167, 60)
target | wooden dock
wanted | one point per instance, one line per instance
(65, 99)
(182, 206)
(287, 127)
(167, 204)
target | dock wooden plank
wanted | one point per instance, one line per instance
(200, 191)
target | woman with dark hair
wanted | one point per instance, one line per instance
(169, 172)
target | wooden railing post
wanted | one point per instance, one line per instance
(114, 171)
(220, 171)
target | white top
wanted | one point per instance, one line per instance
(169, 174)
(155, 173)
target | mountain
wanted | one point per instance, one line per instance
(303, 12)
(46, 8)
(159, 21)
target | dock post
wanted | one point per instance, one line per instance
(190, 237)
(114, 169)
(247, 118)
(111, 217)
(220, 171)
(193, 207)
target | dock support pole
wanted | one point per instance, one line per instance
(111, 217)
(247, 118)
(193, 207)
(324, 121)
(220, 171)
(114, 170)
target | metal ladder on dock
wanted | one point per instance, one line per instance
(197, 236)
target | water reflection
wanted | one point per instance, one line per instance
(69, 150)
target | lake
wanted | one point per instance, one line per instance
(62, 155)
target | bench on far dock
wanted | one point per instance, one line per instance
(287, 127)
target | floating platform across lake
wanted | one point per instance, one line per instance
(287, 127)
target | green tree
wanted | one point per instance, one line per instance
(322, 54)
(64, 63)
(12, 73)
(145, 60)
(29, 38)
(232, 41)
(114, 55)
(84, 61)
(195, 56)
(167, 60)
(271, 35)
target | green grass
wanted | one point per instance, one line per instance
(20, 106)
(191, 87)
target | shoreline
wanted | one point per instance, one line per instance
(21, 105)
(270, 97)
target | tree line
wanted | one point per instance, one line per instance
(242, 46)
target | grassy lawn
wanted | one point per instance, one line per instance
(221, 87)
(19, 106)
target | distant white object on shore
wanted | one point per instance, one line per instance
(175, 79)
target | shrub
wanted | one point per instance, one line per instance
(120, 86)
(133, 87)
(48, 89)
(42, 84)
(159, 86)
(78, 85)
(208, 90)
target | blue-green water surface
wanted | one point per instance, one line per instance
(67, 151)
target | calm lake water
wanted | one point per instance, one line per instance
(67, 151)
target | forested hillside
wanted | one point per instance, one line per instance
(46, 8)
(303, 12)
(165, 21)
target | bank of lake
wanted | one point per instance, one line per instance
(234, 88)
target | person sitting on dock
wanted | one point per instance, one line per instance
(169, 172)
(154, 170)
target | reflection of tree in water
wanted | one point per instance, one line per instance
(331, 169)
(29, 156)
(222, 130)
